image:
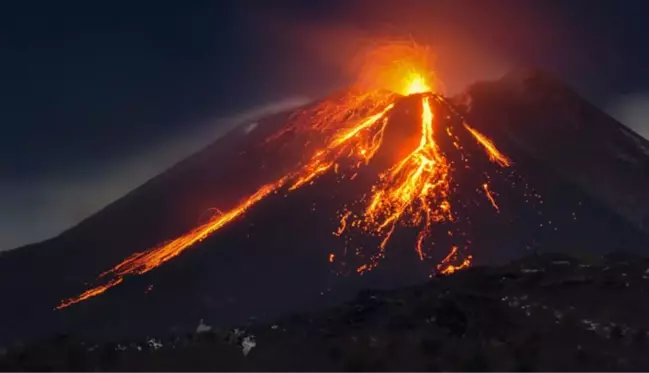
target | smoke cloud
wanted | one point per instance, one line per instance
(40, 208)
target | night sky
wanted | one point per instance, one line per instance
(99, 96)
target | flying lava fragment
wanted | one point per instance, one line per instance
(414, 192)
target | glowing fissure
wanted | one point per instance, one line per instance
(447, 266)
(90, 293)
(414, 192)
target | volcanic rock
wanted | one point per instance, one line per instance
(578, 185)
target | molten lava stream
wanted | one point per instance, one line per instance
(412, 192)
(417, 192)
(144, 262)
(446, 267)
(494, 154)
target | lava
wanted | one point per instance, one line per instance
(414, 192)
(494, 154)
(90, 293)
(348, 139)
(343, 223)
(447, 267)
(490, 197)
(402, 67)
(143, 262)
(381, 73)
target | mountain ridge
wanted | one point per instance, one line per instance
(599, 134)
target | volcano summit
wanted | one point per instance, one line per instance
(382, 185)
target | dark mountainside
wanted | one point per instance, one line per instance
(590, 172)
(582, 144)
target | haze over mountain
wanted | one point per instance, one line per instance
(37, 210)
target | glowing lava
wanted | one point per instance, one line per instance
(414, 192)
(494, 154)
(417, 85)
(90, 293)
(402, 67)
(490, 197)
(143, 262)
(447, 267)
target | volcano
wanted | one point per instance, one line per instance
(378, 186)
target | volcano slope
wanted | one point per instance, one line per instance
(533, 110)
(281, 256)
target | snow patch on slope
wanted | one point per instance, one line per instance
(639, 142)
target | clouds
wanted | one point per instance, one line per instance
(632, 111)
(38, 208)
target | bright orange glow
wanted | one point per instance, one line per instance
(415, 191)
(321, 162)
(346, 140)
(494, 154)
(417, 84)
(491, 198)
(90, 293)
(380, 72)
(143, 262)
(403, 67)
(447, 267)
(343, 223)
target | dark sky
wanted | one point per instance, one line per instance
(99, 96)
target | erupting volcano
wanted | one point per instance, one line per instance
(380, 186)
(413, 188)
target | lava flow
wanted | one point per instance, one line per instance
(143, 262)
(415, 191)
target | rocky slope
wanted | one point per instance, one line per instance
(548, 312)
(538, 113)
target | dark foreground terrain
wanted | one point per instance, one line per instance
(544, 312)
